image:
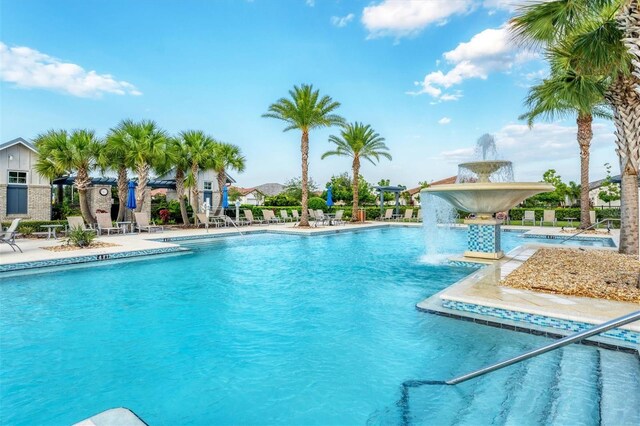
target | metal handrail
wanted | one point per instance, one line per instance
(608, 220)
(616, 322)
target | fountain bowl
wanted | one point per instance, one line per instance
(486, 198)
(484, 169)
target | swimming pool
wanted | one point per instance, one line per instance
(270, 329)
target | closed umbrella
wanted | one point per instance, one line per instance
(131, 196)
(329, 197)
(225, 197)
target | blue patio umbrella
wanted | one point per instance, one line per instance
(329, 197)
(225, 197)
(131, 195)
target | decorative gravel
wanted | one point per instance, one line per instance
(601, 274)
(67, 247)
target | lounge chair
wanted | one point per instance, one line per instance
(388, 215)
(270, 217)
(105, 224)
(142, 223)
(77, 222)
(204, 220)
(529, 216)
(408, 215)
(548, 216)
(248, 215)
(338, 218)
(320, 217)
(285, 216)
(592, 217)
(419, 216)
(296, 217)
(9, 236)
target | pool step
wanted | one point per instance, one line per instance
(620, 378)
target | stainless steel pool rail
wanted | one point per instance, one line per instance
(616, 322)
(608, 220)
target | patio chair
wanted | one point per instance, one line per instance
(338, 218)
(105, 224)
(529, 216)
(548, 216)
(419, 216)
(296, 217)
(77, 222)
(142, 223)
(248, 215)
(9, 236)
(592, 217)
(270, 217)
(388, 215)
(204, 220)
(320, 217)
(408, 215)
(285, 216)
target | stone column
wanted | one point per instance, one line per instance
(483, 239)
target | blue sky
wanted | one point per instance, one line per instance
(430, 76)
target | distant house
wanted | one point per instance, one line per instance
(595, 188)
(23, 191)
(414, 193)
(249, 196)
(208, 190)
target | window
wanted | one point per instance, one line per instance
(18, 177)
(207, 186)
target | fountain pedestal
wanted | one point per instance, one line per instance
(483, 239)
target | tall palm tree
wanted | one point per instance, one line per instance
(64, 153)
(147, 144)
(566, 93)
(179, 159)
(200, 150)
(305, 110)
(358, 141)
(590, 32)
(226, 157)
(114, 156)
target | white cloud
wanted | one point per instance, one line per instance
(28, 68)
(444, 120)
(342, 21)
(405, 18)
(488, 51)
(543, 146)
(311, 3)
(509, 5)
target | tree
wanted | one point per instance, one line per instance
(305, 111)
(609, 191)
(342, 189)
(565, 93)
(62, 153)
(114, 156)
(358, 141)
(226, 157)
(293, 188)
(554, 198)
(146, 146)
(386, 182)
(181, 162)
(596, 44)
(200, 150)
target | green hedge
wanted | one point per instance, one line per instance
(373, 212)
(563, 213)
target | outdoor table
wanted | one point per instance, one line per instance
(123, 226)
(330, 217)
(51, 230)
(571, 219)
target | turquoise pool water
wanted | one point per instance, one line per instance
(255, 330)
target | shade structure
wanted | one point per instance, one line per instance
(131, 195)
(329, 197)
(225, 197)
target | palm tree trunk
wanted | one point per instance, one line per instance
(222, 181)
(82, 182)
(180, 194)
(630, 19)
(356, 195)
(195, 201)
(585, 134)
(143, 179)
(625, 102)
(304, 148)
(123, 191)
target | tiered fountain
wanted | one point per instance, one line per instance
(486, 188)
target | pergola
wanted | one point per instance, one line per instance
(392, 189)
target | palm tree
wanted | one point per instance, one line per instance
(566, 93)
(358, 141)
(227, 156)
(115, 156)
(63, 153)
(200, 150)
(305, 110)
(179, 159)
(589, 31)
(147, 144)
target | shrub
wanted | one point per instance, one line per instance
(26, 230)
(317, 203)
(80, 238)
(164, 215)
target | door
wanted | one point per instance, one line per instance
(208, 195)
(16, 199)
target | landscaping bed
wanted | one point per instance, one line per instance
(601, 274)
(69, 247)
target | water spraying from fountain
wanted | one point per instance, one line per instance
(486, 167)
(438, 218)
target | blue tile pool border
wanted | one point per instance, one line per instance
(608, 239)
(628, 336)
(21, 266)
